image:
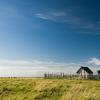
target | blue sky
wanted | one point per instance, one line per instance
(48, 33)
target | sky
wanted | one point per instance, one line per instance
(38, 36)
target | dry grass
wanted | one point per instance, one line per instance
(48, 89)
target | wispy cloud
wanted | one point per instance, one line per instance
(39, 67)
(35, 67)
(60, 16)
(53, 15)
(43, 16)
(94, 61)
(68, 17)
(34, 63)
(14, 62)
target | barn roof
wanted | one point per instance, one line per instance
(98, 71)
(85, 68)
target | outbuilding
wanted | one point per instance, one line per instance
(84, 72)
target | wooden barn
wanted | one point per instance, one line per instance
(84, 72)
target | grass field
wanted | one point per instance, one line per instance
(48, 89)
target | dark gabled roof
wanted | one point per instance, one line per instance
(85, 68)
(98, 71)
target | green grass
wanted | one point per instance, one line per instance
(48, 89)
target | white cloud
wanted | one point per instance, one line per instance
(39, 67)
(19, 62)
(60, 16)
(94, 61)
(69, 17)
(53, 16)
(43, 16)
(34, 67)
(36, 63)
(50, 15)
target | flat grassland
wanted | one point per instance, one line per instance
(48, 89)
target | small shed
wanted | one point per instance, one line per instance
(84, 72)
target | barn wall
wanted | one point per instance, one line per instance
(84, 74)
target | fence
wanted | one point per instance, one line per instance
(68, 76)
(59, 75)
